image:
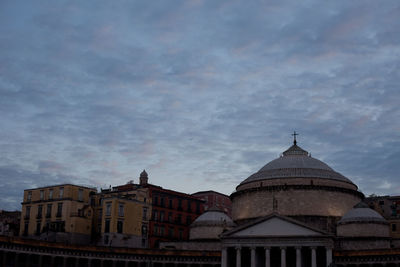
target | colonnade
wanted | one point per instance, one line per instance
(255, 258)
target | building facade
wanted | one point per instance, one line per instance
(213, 199)
(58, 213)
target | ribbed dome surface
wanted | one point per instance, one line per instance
(295, 163)
(361, 213)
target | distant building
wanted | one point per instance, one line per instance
(215, 200)
(389, 208)
(122, 216)
(172, 213)
(59, 213)
(9, 222)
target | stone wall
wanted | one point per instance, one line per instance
(292, 201)
(363, 229)
(205, 232)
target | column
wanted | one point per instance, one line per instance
(40, 260)
(283, 257)
(253, 256)
(4, 258)
(16, 259)
(224, 255)
(238, 257)
(298, 256)
(313, 257)
(267, 257)
(328, 256)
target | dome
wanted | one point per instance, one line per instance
(297, 185)
(295, 163)
(361, 221)
(210, 225)
(361, 213)
(213, 217)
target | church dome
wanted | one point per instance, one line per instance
(361, 213)
(210, 225)
(296, 185)
(295, 163)
(361, 221)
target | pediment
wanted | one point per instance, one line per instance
(272, 227)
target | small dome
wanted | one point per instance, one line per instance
(295, 162)
(213, 216)
(361, 213)
(143, 174)
(210, 225)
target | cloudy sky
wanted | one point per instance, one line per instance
(201, 94)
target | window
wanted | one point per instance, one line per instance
(179, 204)
(188, 220)
(144, 216)
(40, 210)
(38, 228)
(59, 209)
(28, 212)
(162, 202)
(170, 216)
(155, 200)
(170, 203)
(161, 216)
(121, 210)
(80, 194)
(155, 230)
(29, 198)
(144, 200)
(48, 211)
(26, 227)
(61, 193)
(394, 227)
(107, 226)
(120, 225)
(162, 230)
(144, 230)
(108, 209)
(381, 202)
(189, 207)
(179, 218)
(50, 193)
(180, 233)
(106, 240)
(143, 242)
(155, 215)
(171, 232)
(41, 194)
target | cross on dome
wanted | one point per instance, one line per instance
(294, 137)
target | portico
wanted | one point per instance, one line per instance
(276, 241)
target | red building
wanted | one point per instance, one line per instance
(172, 212)
(215, 199)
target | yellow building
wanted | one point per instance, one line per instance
(60, 213)
(123, 216)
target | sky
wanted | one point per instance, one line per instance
(200, 94)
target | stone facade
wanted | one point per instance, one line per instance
(292, 201)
